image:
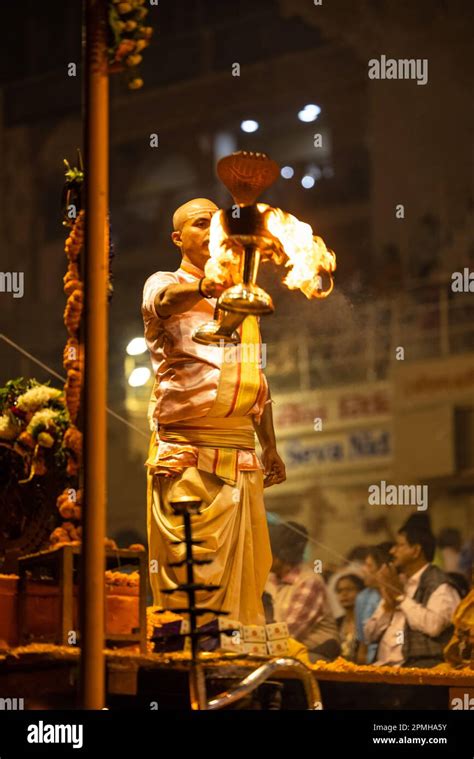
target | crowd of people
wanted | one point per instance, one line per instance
(390, 604)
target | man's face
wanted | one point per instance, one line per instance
(193, 239)
(403, 553)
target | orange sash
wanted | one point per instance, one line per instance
(227, 427)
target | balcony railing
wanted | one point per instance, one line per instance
(426, 321)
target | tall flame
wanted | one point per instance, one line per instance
(223, 262)
(307, 254)
(304, 253)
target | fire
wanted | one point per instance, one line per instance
(304, 253)
(223, 262)
(307, 254)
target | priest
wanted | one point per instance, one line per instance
(205, 409)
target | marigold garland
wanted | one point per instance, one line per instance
(73, 355)
(128, 37)
(69, 503)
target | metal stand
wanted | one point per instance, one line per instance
(186, 507)
(283, 667)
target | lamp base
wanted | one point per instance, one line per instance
(208, 334)
(247, 299)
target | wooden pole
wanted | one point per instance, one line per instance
(96, 126)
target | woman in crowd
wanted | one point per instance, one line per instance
(347, 588)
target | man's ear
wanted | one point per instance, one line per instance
(176, 237)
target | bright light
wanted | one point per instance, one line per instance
(287, 172)
(136, 346)
(308, 182)
(139, 376)
(309, 113)
(249, 125)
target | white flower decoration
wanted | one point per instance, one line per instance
(8, 429)
(36, 397)
(46, 416)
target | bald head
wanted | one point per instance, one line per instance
(191, 209)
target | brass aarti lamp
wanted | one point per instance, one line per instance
(246, 234)
(245, 175)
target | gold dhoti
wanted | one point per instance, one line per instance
(233, 525)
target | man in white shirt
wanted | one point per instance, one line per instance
(413, 620)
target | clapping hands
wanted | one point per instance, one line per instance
(389, 584)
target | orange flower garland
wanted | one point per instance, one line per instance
(73, 358)
(73, 362)
(66, 533)
(128, 38)
(73, 443)
(76, 238)
(69, 502)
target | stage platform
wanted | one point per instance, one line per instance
(45, 676)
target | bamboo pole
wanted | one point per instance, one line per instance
(96, 125)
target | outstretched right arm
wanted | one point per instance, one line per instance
(175, 299)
